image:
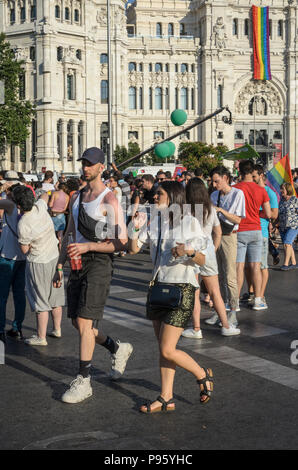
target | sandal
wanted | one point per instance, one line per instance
(206, 392)
(163, 406)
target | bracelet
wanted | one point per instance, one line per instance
(60, 269)
(136, 229)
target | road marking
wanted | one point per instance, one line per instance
(128, 321)
(259, 330)
(253, 365)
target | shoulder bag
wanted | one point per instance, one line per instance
(162, 296)
(226, 228)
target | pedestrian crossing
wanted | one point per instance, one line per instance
(269, 370)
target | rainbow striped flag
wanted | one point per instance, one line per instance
(262, 69)
(280, 173)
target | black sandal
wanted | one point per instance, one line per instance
(206, 392)
(163, 407)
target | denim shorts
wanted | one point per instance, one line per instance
(288, 236)
(59, 222)
(265, 251)
(249, 246)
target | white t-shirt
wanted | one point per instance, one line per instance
(48, 187)
(118, 193)
(37, 229)
(233, 202)
(171, 270)
(211, 222)
(9, 245)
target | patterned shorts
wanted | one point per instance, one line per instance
(176, 317)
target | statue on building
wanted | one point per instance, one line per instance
(220, 34)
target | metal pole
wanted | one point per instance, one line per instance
(196, 123)
(110, 89)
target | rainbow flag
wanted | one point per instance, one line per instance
(280, 173)
(260, 16)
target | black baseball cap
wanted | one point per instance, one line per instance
(93, 155)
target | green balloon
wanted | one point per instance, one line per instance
(172, 148)
(162, 150)
(178, 117)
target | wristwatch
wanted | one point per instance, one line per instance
(193, 255)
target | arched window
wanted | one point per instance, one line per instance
(280, 32)
(32, 53)
(182, 29)
(132, 67)
(140, 98)
(69, 141)
(219, 96)
(67, 14)
(158, 98)
(59, 138)
(103, 58)
(158, 30)
(184, 68)
(246, 27)
(23, 14)
(166, 67)
(235, 27)
(132, 97)
(57, 12)
(79, 54)
(184, 98)
(150, 98)
(33, 12)
(59, 53)
(158, 67)
(170, 29)
(12, 16)
(257, 106)
(104, 92)
(77, 15)
(71, 95)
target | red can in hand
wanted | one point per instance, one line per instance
(76, 261)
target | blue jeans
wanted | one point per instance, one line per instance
(12, 274)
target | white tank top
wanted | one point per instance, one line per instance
(93, 209)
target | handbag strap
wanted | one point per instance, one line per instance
(7, 223)
(158, 247)
(218, 199)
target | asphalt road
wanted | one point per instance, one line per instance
(254, 404)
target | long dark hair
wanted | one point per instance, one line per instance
(196, 193)
(176, 195)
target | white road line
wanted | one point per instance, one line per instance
(259, 330)
(253, 365)
(128, 321)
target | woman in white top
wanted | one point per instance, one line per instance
(114, 186)
(197, 196)
(176, 254)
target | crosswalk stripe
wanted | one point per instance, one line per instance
(254, 365)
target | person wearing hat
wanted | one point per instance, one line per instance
(97, 224)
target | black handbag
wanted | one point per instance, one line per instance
(163, 296)
(226, 228)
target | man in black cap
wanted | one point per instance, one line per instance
(97, 225)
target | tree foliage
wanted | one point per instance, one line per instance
(200, 155)
(15, 114)
(121, 153)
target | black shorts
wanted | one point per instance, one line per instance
(88, 289)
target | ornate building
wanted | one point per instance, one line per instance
(166, 54)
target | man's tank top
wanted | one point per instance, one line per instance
(93, 209)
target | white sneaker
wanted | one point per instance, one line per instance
(191, 333)
(36, 341)
(259, 306)
(80, 389)
(232, 331)
(214, 320)
(119, 360)
(238, 306)
(55, 333)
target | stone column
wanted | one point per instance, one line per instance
(63, 144)
(75, 147)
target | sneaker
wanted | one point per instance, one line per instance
(119, 360)
(191, 333)
(214, 320)
(16, 334)
(237, 306)
(285, 268)
(232, 331)
(36, 341)
(259, 305)
(232, 319)
(228, 307)
(80, 389)
(293, 266)
(245, 297)
(55, 333)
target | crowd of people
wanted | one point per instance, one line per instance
(208, 235)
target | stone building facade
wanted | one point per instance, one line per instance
(166, 54)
